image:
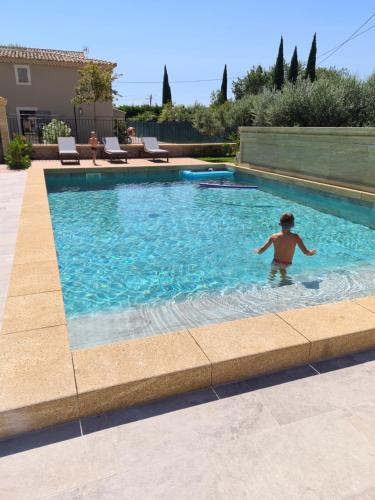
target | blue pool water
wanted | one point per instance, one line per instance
(132, 242)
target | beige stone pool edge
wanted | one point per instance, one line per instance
(43, 382)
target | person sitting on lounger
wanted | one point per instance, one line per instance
(284, 244)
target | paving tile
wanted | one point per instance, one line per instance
(264, 381)
(244, 348)
(334, 329)
(7, 246)
(47, 470)
(30, 312)
(39, 438)
(289, 396)
(37, 380)
(33, 251)
(195, 428)
(364, 359)
(127, 373)
(323, 458)
(122, 416)
(37, 209)
(30, 223)
(367, 494)
(367, 302)
(362, 417)
(36, 236)
(34, 278)
(294, 395)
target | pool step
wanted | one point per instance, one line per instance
(93, 177)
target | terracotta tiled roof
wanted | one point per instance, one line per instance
(46, 56)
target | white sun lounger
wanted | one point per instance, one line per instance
(67, 149)
(113, 150)
(151, 147)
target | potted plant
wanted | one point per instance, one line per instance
(18, 153)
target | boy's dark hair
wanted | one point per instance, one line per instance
(287, 219)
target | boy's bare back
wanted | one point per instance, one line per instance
(285, 242)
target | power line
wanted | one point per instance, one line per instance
(354, 35)
(350, 37)
(329, 53)
(185, 81)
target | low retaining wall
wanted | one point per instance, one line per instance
(345, 156)
(50, 151)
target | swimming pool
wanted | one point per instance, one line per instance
(142, 252)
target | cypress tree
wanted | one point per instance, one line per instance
(311, 62)
(167, 94)
(293, 68)
(278, 75)
(224, 86)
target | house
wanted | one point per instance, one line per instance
(39, 85)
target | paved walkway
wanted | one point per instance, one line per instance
(12, 185)
(299, 435)
(132, 162)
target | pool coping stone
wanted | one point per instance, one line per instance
(46, 383)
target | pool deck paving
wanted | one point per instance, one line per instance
(304, 433)
(12, 185)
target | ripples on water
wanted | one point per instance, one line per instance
(150, 246)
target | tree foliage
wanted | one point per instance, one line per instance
(120, 131)
(278, 75)
(294, 67)
(253, 82)
(335, 99)
(323, 103)
(172, 113)
(369, 101)
(311, 62)
(167, 94)
(94, 85)
(143, 112)
(224, 87)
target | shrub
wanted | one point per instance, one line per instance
(120, 131)
(18, 153)
(54, 129)
(213, 120)
(253, 82)
(241, 112)
(262, 105)
(172, 113)
(369, 101)
(326, 102)
(141, 113)
(146, 116)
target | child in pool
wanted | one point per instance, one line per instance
(94, 141)
(284, 244)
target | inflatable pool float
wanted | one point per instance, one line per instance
(226, 186)
(206, 174)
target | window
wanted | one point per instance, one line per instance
(22, 75)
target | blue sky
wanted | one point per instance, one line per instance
(195, 39)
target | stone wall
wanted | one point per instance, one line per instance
(50, 151)
(344, 156)
(4, 131)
